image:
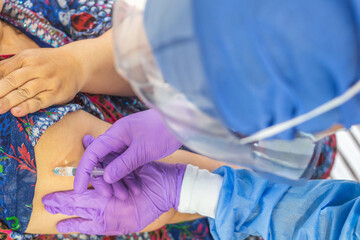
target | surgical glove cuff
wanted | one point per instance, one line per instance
(200, 191)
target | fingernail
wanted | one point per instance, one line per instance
(15, 109)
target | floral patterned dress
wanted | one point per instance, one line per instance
(54, 23)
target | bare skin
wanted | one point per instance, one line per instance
(37, 78)
(61, 145)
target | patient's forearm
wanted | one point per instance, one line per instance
(95, 58)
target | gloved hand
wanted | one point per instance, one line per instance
(160, 191)
(136, 140)
(119, 189)
(38, 78)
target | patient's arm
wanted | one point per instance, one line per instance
(61, 145)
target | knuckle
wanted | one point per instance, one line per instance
(25, 54)
(10, 81)
(2, 72)
(12, 64)
(17, 62)
(37, 103)
(28, 61)
(21, 57)
(25, 91)
(33, 105)
(25, 106)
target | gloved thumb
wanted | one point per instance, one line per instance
(87, 140)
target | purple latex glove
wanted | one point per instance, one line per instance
(136, 140)
(98, 214)
(119, 188)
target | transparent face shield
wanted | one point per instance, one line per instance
(183, 100)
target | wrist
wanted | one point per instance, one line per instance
(200, 191)
(181, 168)
(76, 54)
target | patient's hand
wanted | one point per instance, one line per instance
(159, 191)
(36, 79)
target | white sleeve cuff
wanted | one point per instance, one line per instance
(200, 191)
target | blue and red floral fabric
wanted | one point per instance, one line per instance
(54, 23)
(18, 136)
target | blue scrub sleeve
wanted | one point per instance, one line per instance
(251, 205)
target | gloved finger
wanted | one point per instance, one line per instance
(80, 225)
(98, 183)
(24, 92)
(86, 213)
(123, 165)
(87, 140)
(94, 153)
(109, 158)
(102, 187)
(120, 190)
(90, 199)
(40, 101)
(133, 183)
(52, 210)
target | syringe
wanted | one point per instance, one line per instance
(71, 171)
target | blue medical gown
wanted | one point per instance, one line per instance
(320, 209)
